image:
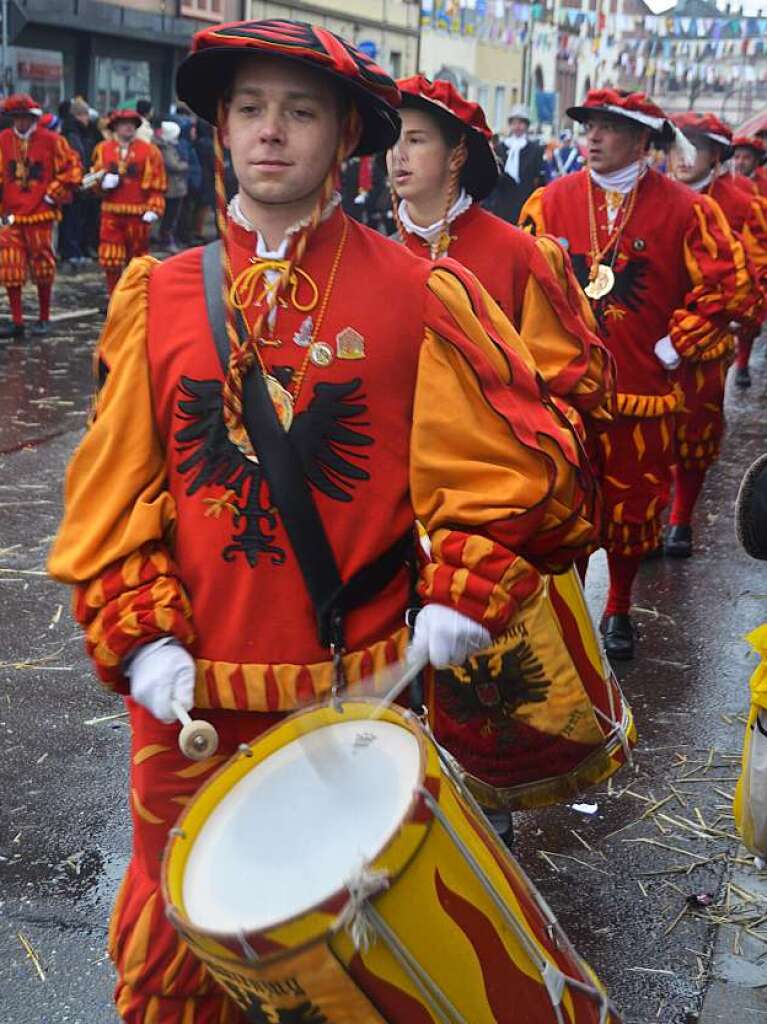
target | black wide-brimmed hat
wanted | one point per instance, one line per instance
(206, 74)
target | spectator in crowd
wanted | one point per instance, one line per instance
(565, 158)
(145, 132)
(186, 147)
(76, 128)
(205, 200)
(177, 173)
(522, 169)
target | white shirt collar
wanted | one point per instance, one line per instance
(431, 233)
(622, 180)
(237, 215)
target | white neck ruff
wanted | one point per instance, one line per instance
(622, 180)
(431, 233)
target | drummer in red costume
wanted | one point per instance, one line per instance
(403, 396)
(38, 172)
(442, 167)
(700, 420)
(748, 160)
(665, 277)
(133, 187)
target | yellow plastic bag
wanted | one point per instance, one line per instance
(750, 803)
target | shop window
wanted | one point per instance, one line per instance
(120, 83)
(39, 73)
(499, 104)
(210, 10)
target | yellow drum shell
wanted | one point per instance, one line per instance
(459, 934)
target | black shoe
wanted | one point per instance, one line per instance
(618, 634)
(742, 377)
(12, 331)
(40, 329)
(503, 826)
(678, 542)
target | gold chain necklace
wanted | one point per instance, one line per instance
(601, 275)
(286, 399)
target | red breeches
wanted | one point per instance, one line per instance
(121, 237)
(160, 981)
(700, 421)
(637, 454)
(26, 250)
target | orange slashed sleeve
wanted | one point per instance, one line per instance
(531, 217)
(113, 542)
(497, 478)
(155, 181)
(67, 172)
(559, 329)
(722, 287)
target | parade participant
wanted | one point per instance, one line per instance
(373, 387)
(522, 170)
(133, 190)
(565, 158)
(700, 420)
(38, 172)
(441, 169)
(748, 159)
(665, 277)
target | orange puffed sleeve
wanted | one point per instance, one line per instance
(113, 542)
(155, 181)
(497, 478)
(558, 327)
(722, 288)
(531, 217)
(97, 157)
(67, 172)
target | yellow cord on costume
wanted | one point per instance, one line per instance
(242, 294)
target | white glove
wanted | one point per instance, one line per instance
(160, 672)
(445, 637)
(110, 181)
(149, 217)
(667, 354)
(359, 199)
(49, 200)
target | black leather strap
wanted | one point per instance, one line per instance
(290, 492)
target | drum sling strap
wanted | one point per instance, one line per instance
(331, 596)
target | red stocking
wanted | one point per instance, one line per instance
(623, 569)
(112, 276)
(687, 486)
(44, 297)
(14, 300)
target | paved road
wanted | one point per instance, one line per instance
(63, 814)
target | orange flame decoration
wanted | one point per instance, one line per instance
(390, 1001)
(507, 987)
(562, 954)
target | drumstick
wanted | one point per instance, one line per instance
(197, 739)
(412, 670)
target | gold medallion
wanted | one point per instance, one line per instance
(281, 400)
(320, 353)
(602, 284)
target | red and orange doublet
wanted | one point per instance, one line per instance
(430, 409)
(678, 271)
(700, 420)
(123, 235)
(38, 175)
(532, 282)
